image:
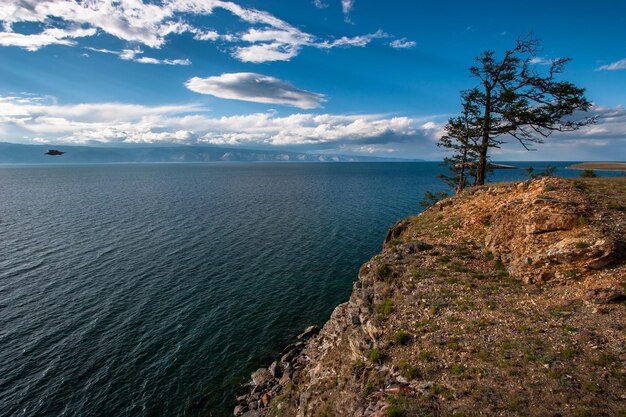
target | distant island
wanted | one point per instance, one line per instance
(600, 166)
(12, 153)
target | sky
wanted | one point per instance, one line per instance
(354, 77)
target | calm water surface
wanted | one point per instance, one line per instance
(154, 290)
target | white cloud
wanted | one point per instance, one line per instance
(320, 4)
(346, 7)
(359, 41)
(617, 65)
(402, 43)
(149, 24)
(538, 60)
(257, 88)
(135, 56)
(34, 42)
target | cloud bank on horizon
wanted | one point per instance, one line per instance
(43, 120)
(242, 95)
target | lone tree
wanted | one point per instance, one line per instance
(513, 99)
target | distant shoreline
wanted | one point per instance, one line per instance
(600, 166)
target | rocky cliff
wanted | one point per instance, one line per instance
(504, 300)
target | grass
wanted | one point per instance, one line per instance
(408, 371)
(582, 245)
(567, 353)
(583, 220)
(385, 308)
(457, 369)
(615, 206)
(426, 326)
(592, 387)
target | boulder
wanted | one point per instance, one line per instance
(275, 369)
(261, 376)
(240, 409)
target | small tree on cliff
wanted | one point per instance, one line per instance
(513, 99)
(461, 136)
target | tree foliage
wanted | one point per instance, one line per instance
(513, 99)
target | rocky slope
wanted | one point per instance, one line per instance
(505, 300)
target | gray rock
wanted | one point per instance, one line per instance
(240, 409)
(308, 332)
(417, 246)
(252, 413)
(261, 376)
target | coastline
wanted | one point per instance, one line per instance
(413, 334)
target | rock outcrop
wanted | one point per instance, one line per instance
(503, 300)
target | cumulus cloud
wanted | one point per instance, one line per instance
(402, 43)
(268, 38)
(617, 65)
(258, 88)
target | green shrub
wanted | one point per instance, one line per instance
(582, 245)
(383, 271)
(358, 367)
(457, 369)
(375, 355)
(588, 173)
(401, 337)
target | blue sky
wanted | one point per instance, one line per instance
(341, 76)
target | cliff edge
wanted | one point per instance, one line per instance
(504, 300)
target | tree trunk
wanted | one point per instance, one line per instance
(462, 180)
(481, 169)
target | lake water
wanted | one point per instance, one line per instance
(154, 290)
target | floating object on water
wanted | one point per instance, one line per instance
(54, 152)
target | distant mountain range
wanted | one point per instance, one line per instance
(11, 153)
